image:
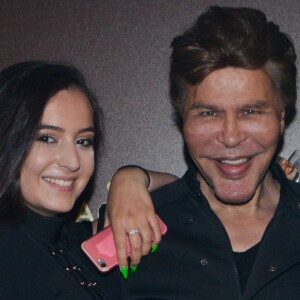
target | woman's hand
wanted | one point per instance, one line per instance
(130, 209)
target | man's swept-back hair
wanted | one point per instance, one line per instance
(233, 37)
(25, 89)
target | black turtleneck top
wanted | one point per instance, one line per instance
(41, 259)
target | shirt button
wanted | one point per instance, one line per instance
(191, 220)
(204, 261)
(272, 268)
(92, 284)
(56, 251)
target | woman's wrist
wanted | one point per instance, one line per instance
(145, 173)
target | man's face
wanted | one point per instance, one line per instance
(232, 122)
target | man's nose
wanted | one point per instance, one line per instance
(231, 133)
(68, 157)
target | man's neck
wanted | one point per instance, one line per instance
(246, 223)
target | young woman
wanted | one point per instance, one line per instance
(50, 138)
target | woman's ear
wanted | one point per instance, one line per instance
(282, 122)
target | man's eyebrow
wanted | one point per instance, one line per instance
(196, 105)
(57, 128)
(257, 104)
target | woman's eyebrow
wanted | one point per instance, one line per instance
(87, 129)
(57, 128)
(51, 127)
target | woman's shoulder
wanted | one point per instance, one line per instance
(14, 245)
(77, 232)
(10, 233)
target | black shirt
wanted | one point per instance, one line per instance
(194, 259)
(244, 262)
(41, 259)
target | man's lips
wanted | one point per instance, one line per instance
(234, 167)
(235, 161)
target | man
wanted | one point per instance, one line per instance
(234, 218)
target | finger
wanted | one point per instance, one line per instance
(156, 233)
(106, 219)
(135, 242)
(147, 238)
(121, 249)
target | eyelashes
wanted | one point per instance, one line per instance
(49, 140)
(85, 142)
(46, 139)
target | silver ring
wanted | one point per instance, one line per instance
(134, 231)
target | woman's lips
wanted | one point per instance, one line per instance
(60, 184)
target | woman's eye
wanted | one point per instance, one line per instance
(46, 138)
(85, 142)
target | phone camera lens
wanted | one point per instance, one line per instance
(102, 263)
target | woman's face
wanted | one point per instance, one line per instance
(61, 159)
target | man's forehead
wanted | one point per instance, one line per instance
(236, 101)
(232, 81)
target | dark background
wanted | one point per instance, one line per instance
(122, 48)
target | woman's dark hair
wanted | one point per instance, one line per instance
(235, 37)
(25, 89)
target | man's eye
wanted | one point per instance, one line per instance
(46, 138)
(85, 142)
(249, 112)
(208, 113)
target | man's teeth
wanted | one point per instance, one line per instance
(234, 162)
(59, 181)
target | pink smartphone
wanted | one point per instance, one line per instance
(101, 249)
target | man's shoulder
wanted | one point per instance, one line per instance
(291, 192)
(290, 196)
(170, 193)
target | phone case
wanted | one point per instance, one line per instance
(101, 249)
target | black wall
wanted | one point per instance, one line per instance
(122, 47)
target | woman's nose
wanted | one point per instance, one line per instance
(68, 157)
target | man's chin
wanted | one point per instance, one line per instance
(234, 200)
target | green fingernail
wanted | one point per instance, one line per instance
(154, 248)
(124, 271)
(133, 268)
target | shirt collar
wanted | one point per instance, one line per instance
(46, 230)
